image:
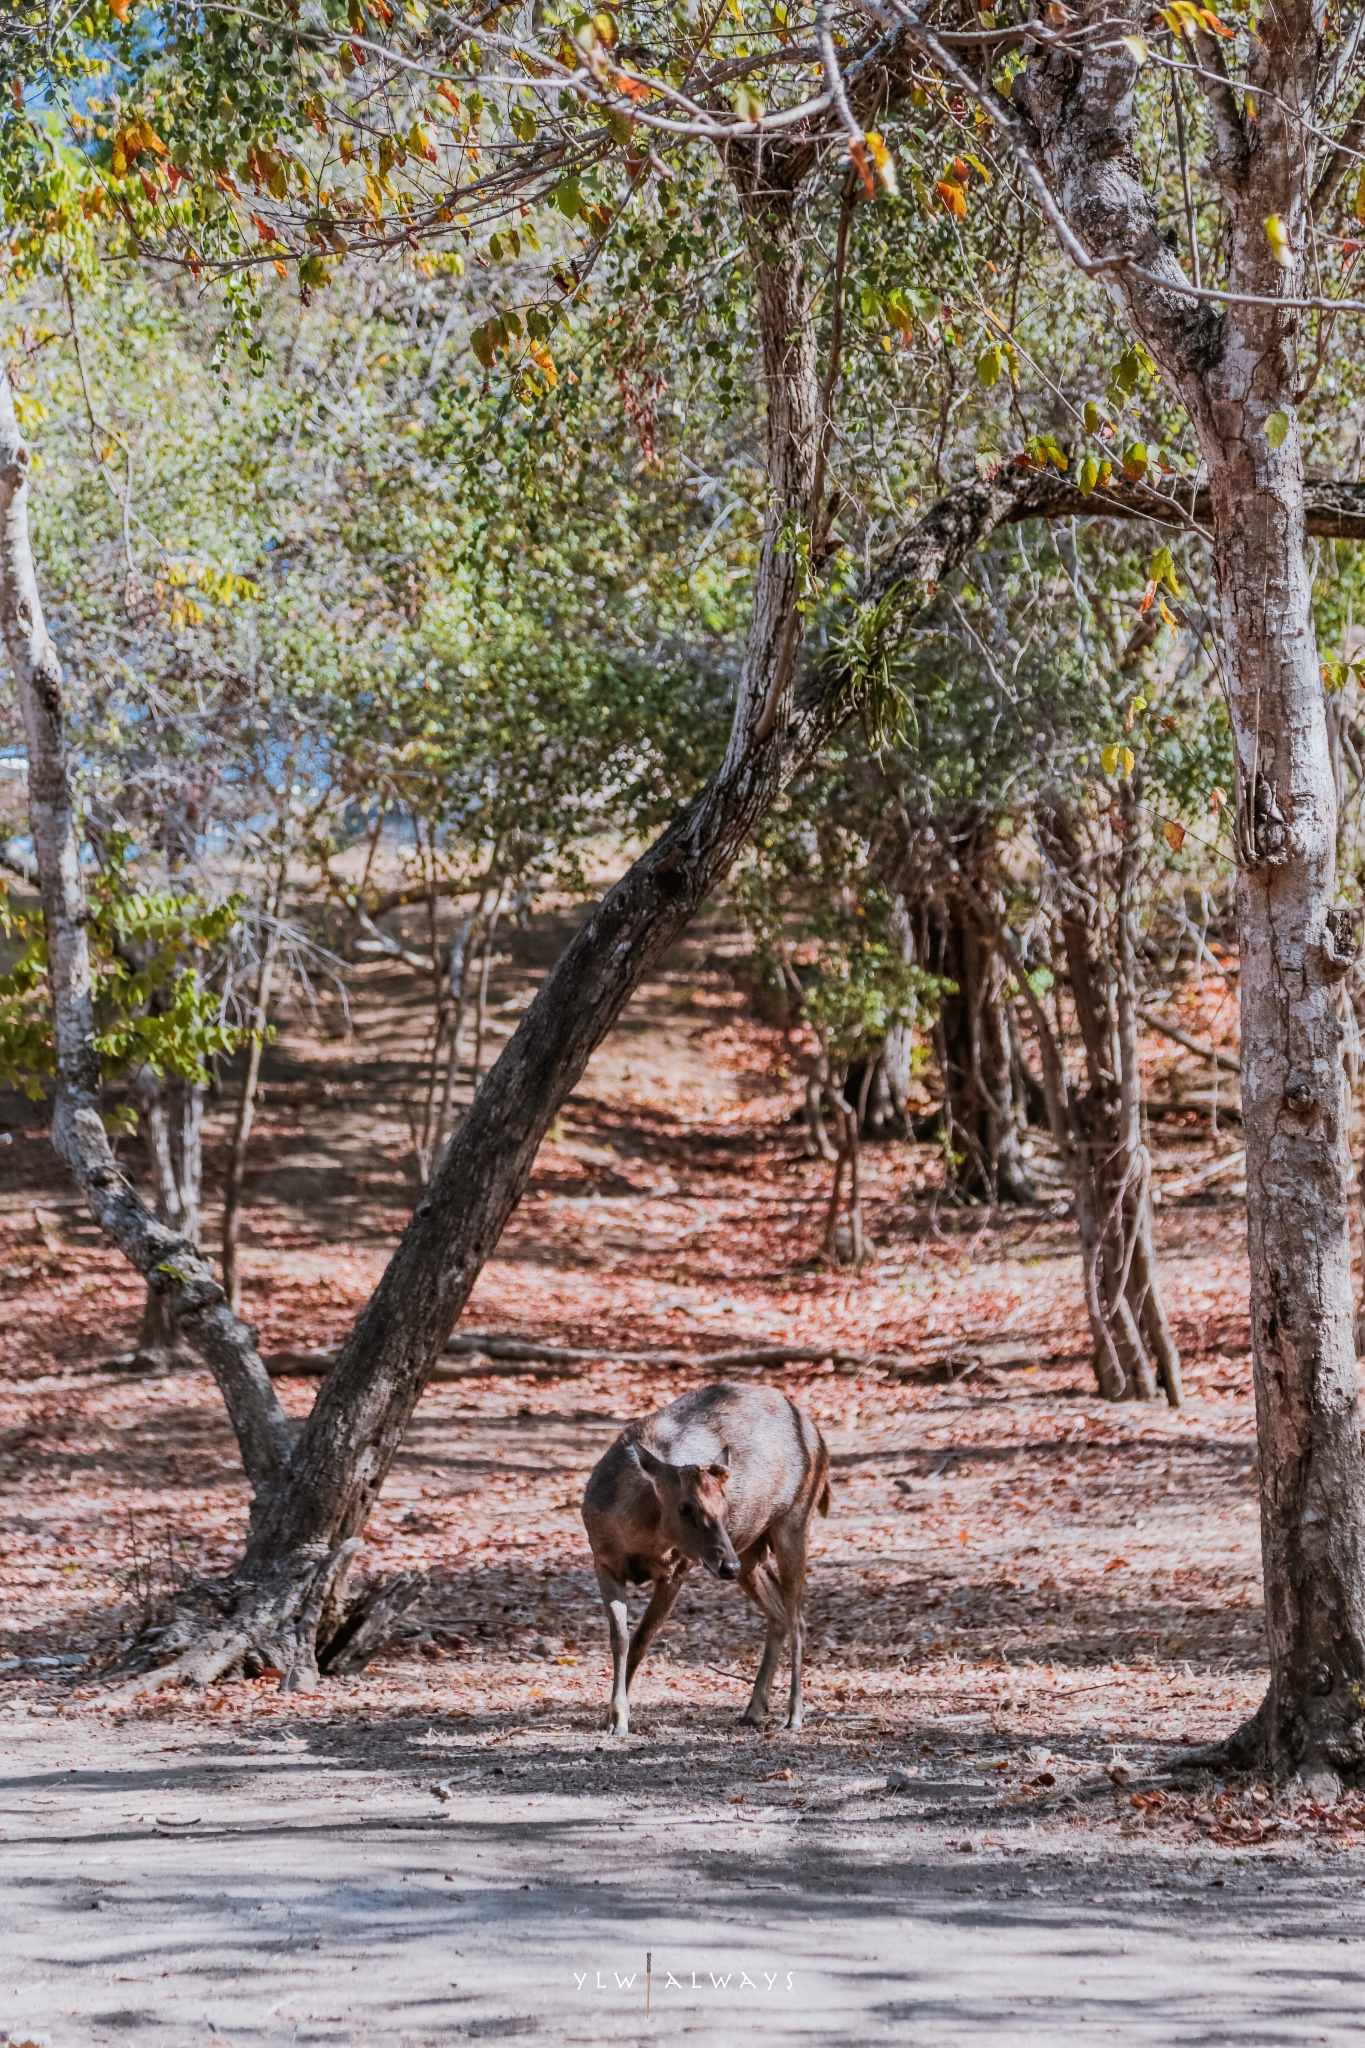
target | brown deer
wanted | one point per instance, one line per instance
(720, 1478)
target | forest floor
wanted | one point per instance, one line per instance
(1025, 1608)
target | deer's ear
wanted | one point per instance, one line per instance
(721, 1468)
(653, 1467)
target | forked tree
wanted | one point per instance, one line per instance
(287, 1601)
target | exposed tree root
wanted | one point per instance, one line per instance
(293, 1620)
(1324, 1761)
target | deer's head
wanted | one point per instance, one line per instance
(692, 1508)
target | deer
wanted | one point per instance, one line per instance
(726, 1477)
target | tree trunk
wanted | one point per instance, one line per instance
(171, 1113)
(1109, 1167)
(246, 1104)
(459, 969)
(1236, 368)
(1293, 951)
(981, 1131)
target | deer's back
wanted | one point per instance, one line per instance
(778, 1459)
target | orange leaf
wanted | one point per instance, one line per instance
(953, 197)
(858, 152)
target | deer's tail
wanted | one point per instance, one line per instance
(822, 1498)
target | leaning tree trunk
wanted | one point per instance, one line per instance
(1236, 367)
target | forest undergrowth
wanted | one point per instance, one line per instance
(1058, 1595)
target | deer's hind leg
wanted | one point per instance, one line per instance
(789, 1557)
(759, 1582)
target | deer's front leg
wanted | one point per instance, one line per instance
(666, 1591)
(618, 1624)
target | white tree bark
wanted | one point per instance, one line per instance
(1235, 367)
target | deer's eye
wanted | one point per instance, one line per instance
(687, 1512)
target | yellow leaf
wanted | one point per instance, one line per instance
(1135, 47)
(1278, 237)
(1359, 208)
(1109, 759)
(1161, 569)
(1127, 760)
(1175, 836)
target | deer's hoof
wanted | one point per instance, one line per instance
(749, 1719)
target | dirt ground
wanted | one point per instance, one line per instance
(1025, 1608)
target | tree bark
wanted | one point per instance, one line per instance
(1235, 367)
(246, 1104)
(171, 1113)
(1111, 1172)
(980, 1128)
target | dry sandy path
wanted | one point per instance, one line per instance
(164, 1887)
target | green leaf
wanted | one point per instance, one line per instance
(1276, 428)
